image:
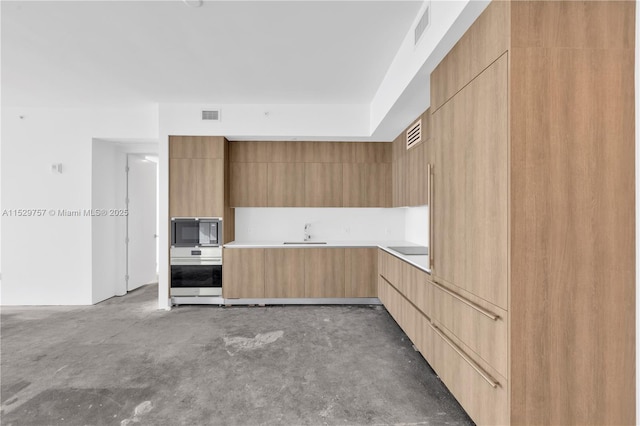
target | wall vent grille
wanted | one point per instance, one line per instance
(213, 115)
(423, 24)
(414, 133)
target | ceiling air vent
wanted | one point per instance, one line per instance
(213, 115)
(423, 24)
(414, 133)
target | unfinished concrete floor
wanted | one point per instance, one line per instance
(123, 362)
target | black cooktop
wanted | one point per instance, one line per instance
(415, 250)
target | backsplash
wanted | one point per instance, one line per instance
(327, 224)
(417, 225)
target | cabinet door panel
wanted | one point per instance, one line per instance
(196, 147)
(209, 187)
(182, 192)
(470, 187)
(284, 273)
(361, 272)
(324, 272)
(285, 185)
(366, 185)
(243, 273)
(323, 185)
(248, 185)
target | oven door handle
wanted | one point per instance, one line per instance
(187, 261)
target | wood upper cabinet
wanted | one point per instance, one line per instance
(324, 272)
(361, 272)
(196, 176)
(323, 185)
(248, 185)
(470, 246)
(196, 147)
(244, 273)
(366, 185)
(284, 273)
(286, 185)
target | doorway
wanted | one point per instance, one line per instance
(142, 220)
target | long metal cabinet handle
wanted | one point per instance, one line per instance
(467, 302)
(486, 376)
(430, 202)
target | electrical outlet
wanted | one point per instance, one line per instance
(347, 230)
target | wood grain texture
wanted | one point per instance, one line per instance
(249, 151)
(416, 289)
(285, 185)
(323, 185)
(366, 185)
(327, 152)
(370, 152)
(361, 272)
(484, 404)
(324, 272)
(484, 42)
(284, 273)
(572, 218)
(248, 184)
(209, 187)
(196, 147)
(470, 187)
(243, 273)
(229, 218)
(487, 338)
(181, 187)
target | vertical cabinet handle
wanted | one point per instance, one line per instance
(430, 202)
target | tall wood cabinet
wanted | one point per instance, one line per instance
(199, 179)
(533, 214)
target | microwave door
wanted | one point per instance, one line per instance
(206, 234)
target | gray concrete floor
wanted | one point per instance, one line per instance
(123, 362)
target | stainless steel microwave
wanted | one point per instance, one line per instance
(196, 231)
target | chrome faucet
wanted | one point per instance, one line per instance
(307, 228)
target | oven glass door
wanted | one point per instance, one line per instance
(185, 233)
(196, 276)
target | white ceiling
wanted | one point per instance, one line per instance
(121, 52)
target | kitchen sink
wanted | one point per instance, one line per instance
(304, 242)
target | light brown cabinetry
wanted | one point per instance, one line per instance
(274, 273)
(521, 107)
(244, 273)
(324, 272)
(196, 176)
(323, 185)
(284, 274)
(248, 184)
(470, 187)
(310, 174)
(366, 185)
(361, 272)
(409, 167)
(285, 185)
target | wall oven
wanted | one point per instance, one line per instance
(196, 231)
(196, 271)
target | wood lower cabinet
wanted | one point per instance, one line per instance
(284, 273)
(275, 273)
(484, 397)
(361, 272)
(244, 273)
(324, 272)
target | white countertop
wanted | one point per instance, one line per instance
(419, 261)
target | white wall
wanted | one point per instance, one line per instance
(105, 230)
(417, 225)
(327, 224)
(63, 248)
